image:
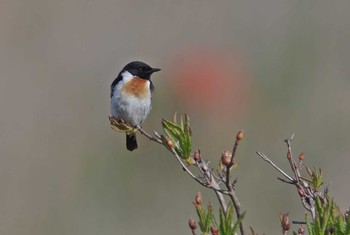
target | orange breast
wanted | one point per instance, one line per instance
(137, 86)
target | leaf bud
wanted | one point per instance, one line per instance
(197, 156)
(301, 157)
(285, 222)
(169, 143)
(198, 199)
(301, 192)
(192, 224)
(214, 230)
(301, 230)
(240, 135)
(226, 157)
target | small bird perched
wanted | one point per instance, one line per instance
(131, 94)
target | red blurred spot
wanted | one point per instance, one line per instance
(210, 81)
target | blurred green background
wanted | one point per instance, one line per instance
(268, 67)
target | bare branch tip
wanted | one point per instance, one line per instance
(288, 140)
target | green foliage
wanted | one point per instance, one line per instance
(180, 135)
(328, 220)
(227, 227)
(316, 178)
(227, 224)
(347, 226)
(121, 126)
(206, 218)
(308, 224)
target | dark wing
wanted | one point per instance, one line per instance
(151, 86)
(115, 82)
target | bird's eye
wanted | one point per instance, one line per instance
(140, 69)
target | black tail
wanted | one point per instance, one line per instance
(131, 142)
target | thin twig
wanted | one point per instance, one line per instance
(234, 150)
(307, 196)
(150, 137)
(237, 206)
(218, 178)
(159, 141)
(298, 222)
(310, 204)
(285, 181)
(232, 193)
(210, 185)
(290, 158)
(186, 168)
(204, 169)
(265, 158)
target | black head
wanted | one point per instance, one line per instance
(140, 69)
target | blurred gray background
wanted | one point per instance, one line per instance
(268, 67)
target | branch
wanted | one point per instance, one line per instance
(290, 158)
(178, 158)
(150, 137)
(229, 185)
(265, 158)
(204, 169)
(306, 193)
(210, 179)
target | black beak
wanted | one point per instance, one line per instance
(154, 70)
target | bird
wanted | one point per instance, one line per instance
(131, 96)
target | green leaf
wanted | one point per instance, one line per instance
(174, 129)
(339, 226)
(347, 227)
(328, 216)
(238, 223)
(208, 219)
(175, 118)
(181, 123)
(223, 228)
(319, 208)
(320, 223)
(201, 215)
(229, 216)
(121, 126)
(180, 135)
(308, 225)
(227, 225)
(339, 219)
(317, 226)
(316, 178)
(187, 125)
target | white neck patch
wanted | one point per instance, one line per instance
(127, 76)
